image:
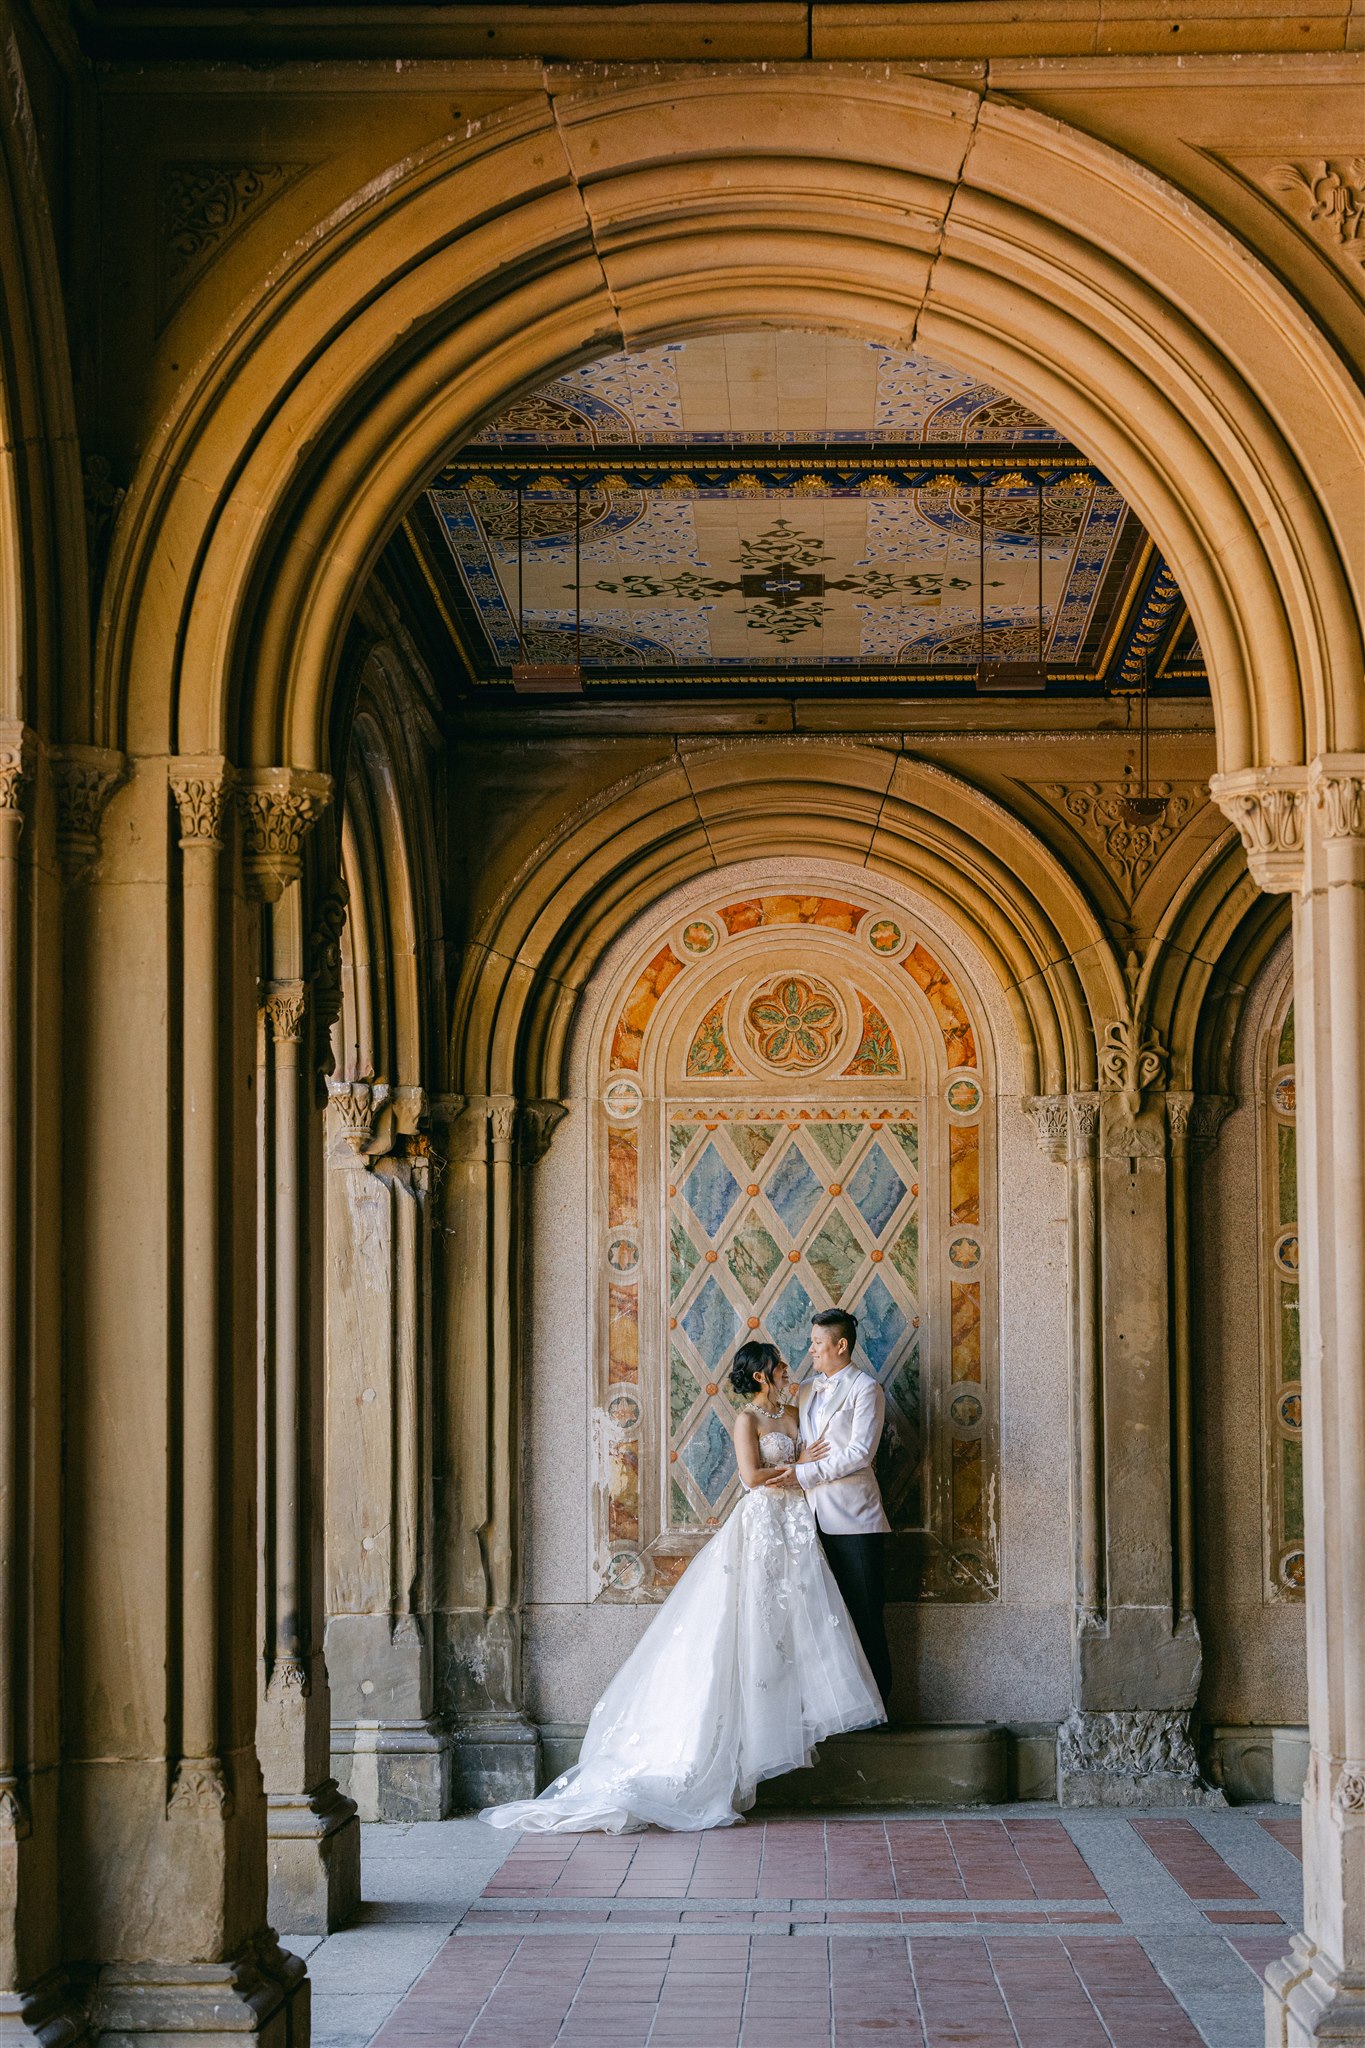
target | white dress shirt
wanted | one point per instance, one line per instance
(848, 1408)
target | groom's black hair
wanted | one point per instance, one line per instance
(839, 1323)
(749, 1361)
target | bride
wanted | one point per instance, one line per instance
(748, 1664)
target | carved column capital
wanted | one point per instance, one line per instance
(355, 1105)
(1179, 1104)
(1269, 808)
(18, 751)
(280, 807)
(502, 1124)
(200, 784)
(1051, 1120)
(1336, 791)
(285, 1003)
(1084, 1124)
(1207, 1116)
(84, 779)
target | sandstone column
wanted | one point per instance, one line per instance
(390, 1751)
(314, 1839)
(163, 1820)
(493, 1143)
(1306, 832)
(1137, 1656)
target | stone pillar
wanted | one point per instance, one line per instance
(493, 1142)
(314, 1839)
(163, 1820)
(35, 2002)
(1127, 1741)
(1305, 831)
(390, 1751)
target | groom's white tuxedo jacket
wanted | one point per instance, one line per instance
(842, 1488)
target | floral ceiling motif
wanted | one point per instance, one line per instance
(722, 570)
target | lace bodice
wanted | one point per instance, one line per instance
(775, 1447)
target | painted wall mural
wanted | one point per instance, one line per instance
(1280, 1311)
(749, 1178)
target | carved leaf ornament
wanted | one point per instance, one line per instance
(1334, 190)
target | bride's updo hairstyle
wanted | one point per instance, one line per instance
(748, 1362)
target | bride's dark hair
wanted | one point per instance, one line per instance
(749, 1361)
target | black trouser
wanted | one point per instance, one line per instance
(858, 1564)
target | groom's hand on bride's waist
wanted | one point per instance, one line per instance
(810, 1453)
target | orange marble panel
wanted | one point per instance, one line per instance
(623, 1334)
(964, 1173)
(830, 911)
(966, 1330)
(640, 1004)
(969, 1492)
(950, 1012)
(623, 1179)
(668, 1570)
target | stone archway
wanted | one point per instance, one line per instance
(629, 211)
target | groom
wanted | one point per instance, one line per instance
(846, 1408)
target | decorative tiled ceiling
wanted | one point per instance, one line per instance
(776, 506)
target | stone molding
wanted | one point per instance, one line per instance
(1269, 808)
(200, 785)
(285, 1004)
(280, 807)
(84, 779)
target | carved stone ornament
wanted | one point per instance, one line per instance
(285, 1003)
(1142, 1743)
(1329, 192)
(18, 750)
(1132, 1058)
(536, 1126)
(1269, 808)
(14, 1821)
(1208, 1113)
(324, 953)
(1125, 1141)
(280, 807)
(356, 1104)
(1349, 1796)
(84, 779)
(200, 1791)
(1128, 848)
(1085, 1119)
(1179, 1103)
(288, 1681)
(200, 786)
(1336, 790)
(202, 205)
(1051, 1120)
(502, 1121)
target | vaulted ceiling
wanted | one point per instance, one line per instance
(782, 510)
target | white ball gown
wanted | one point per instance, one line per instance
(748, 1664)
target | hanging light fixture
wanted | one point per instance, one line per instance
(550, 678)
(1139, 805)
(1010, 675)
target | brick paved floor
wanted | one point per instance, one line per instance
(1013, 1928)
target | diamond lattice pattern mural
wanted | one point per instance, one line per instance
(770, 1219)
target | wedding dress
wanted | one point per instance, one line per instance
(748, 1664)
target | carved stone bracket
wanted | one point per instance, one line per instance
(1207, 1116)
(1051, 1120)
(280, 807)
(1269, 808)
(18, 751)
(285, 1003)
(200, 785)
(200, 1791)
(84, 779)
(536, 1126)
(1336, 791)
(356, 1105)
